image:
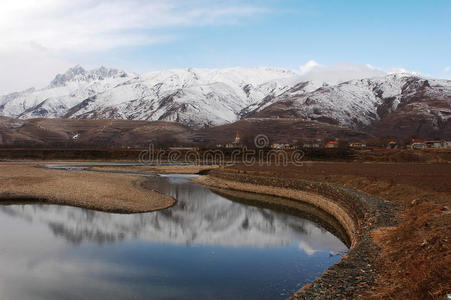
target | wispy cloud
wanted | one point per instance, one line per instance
(41, 38)
(447, 69)
(345, 71)
(87, 25)
(309, 66)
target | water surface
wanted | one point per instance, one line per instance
(206, 246)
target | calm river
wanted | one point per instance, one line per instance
(207, 246)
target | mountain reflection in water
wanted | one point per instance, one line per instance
(205, 246)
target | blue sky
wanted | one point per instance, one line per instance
(140, 36)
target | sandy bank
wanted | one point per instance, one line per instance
(24, 182)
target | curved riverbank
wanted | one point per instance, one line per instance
(118, 193)
(288, 206)
(396, 216)
(357, 212)
(411, 258)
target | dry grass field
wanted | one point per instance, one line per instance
(100, 191)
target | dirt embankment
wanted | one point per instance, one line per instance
(402, 217)
(24, 182)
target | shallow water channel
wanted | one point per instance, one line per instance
(207, 246)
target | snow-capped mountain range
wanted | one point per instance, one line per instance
(191, 96)
(210, 97)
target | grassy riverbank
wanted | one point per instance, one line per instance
(25, 182)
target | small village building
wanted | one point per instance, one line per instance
(311, 145)
(283, 146)
(433, 144)
(392, 145)
(430, 144)
(418, 144)
(357, 145)
(184, 148)
(237, 140)
(332, 144)
(446, 144)
(236, 143)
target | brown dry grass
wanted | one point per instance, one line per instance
(106, 192)
(416, 260)
(416, 257)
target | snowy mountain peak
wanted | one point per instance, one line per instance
(78, 73)
(61, 79)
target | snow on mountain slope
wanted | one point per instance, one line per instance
(211, 97)
(197, 97)
(65, 91)
(320, 76)
(360, 103)
(298, 88)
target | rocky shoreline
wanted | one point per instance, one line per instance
(355, 273)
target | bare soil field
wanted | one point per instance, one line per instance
(432, 177)
(25, 182)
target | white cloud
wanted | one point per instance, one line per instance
(87, 25)
(447, 69)
(309, 66)
(338, 73)
(345, 71)
(35, 36)
(306, 248)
